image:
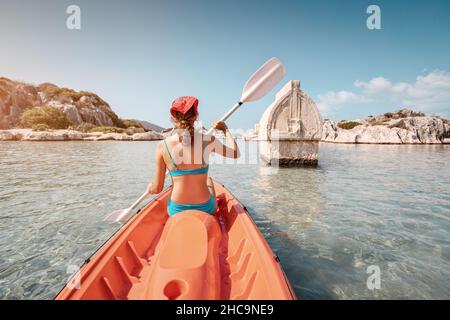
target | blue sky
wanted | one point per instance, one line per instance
(140, 55)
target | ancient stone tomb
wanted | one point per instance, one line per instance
(290, 129)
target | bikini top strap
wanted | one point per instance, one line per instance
(168, 153)
(203, 152)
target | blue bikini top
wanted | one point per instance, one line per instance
(178, 172)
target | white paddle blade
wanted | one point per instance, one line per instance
(263, 80)
(118, 216)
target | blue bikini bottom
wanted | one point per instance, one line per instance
(208, 206)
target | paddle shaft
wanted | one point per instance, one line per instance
(138, 201)
(141, 198)
(228, 114)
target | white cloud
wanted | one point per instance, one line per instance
(429, 93)
(330, 100)
(374, 86)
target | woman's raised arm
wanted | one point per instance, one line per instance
(224, 150)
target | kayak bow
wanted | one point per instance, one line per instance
(192, 255)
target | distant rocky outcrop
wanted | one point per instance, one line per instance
(80, 107)
(151, 126)
(404, 126)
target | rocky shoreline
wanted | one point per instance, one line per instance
(73, 135)
(401, 127)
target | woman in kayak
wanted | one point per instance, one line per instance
(186, 154)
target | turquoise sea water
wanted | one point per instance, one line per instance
(381, 205)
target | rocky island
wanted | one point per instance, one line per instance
(404, 126)
(46, 112)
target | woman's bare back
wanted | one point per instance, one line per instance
(190, 155)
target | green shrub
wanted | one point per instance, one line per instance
(107, 130)
(348, 125)
(132, 130)
(417, 114)
(55, 91)
(132, 123)
(50, 116)
(40, 127)
(85, 127)
(377, 123)
(388, 114)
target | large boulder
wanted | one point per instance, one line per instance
(6, 135)
(12, 134)
(70, 110)
(377, 134)
(329, 131)
(74, 135)
(408, 136)
(346, 136)
(96, 116)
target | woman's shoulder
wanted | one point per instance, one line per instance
(170, 139)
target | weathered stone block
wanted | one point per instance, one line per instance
(289, 153)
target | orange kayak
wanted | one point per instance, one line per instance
(190, 256)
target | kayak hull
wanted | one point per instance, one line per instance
(189, 256)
